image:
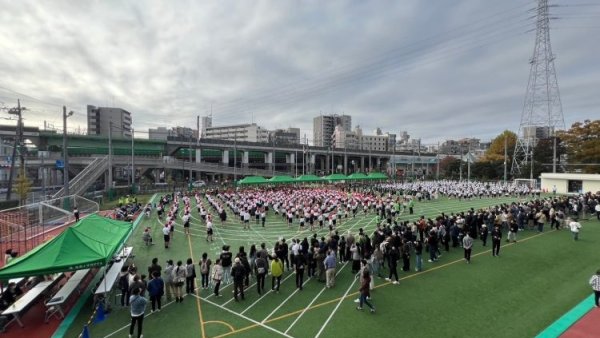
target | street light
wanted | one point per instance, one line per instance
(65, 152)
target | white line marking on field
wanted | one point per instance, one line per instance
(336, 308)
(266, 293)
(282, 303)
(313, 301)
(246, 318)
(248, 288)
(128, 325)
(222, 287)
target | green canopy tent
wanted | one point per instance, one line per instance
(358, 176)
(377, 176)
(91, 242)
(335, 177)
(281, 179)
(253, 180)
(308, 179)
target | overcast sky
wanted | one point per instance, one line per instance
(438, 69)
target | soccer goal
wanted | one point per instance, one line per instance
(531, 183)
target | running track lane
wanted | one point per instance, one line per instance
(586, 326)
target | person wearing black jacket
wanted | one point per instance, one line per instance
(124, 286)
(406, 256)
(226, 257)
(418, 255)
(284, 254)
(300, 264)
(432, 243)
(484, 234)
(394, 256)
(496, 239)
(262, 267)
(239, 273)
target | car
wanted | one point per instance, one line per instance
(198, 184)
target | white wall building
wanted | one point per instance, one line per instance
(570, 182)
(240, 132)
(357, 140)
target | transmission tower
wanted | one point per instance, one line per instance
(542, 110)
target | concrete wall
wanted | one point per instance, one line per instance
(590, 182)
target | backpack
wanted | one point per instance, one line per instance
(204, 267)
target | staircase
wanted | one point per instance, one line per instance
(79, 184)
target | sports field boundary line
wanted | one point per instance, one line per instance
(145, 316)
(336, 308)
(266, 293)
(257, 323)
(220, 322)
(200, 317)
(314, 299)
(562, 324)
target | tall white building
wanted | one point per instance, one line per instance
(324, 127)
(99, 120)
(206, 122)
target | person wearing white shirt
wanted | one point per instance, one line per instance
(597, 209)
(246, 220)
(595, 283)
(575, 226)
(166, 235)
(186, 223)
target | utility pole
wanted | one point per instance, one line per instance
(190, 158)
(65, 153)
(461, 163)
(110, 176)
(554, 152)
(469, 162)
(531, 168)
(43, 176)
(132, 161)
(234, 157)
(437, 167)
(18, 139)
(505, 156)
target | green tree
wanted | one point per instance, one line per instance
(492, 170)
(496, 150)
(543, 154)
(450, 167)
(22, 186)
(582, 145)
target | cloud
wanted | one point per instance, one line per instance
(435, 69)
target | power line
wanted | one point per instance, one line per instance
(390, 59)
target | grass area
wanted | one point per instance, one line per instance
(518, 294)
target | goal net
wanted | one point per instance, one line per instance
(25, 227)
(531, 183)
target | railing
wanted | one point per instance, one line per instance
(86, 177)
(173, 163)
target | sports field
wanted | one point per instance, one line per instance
(518, 294)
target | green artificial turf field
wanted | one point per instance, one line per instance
(518, 294)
